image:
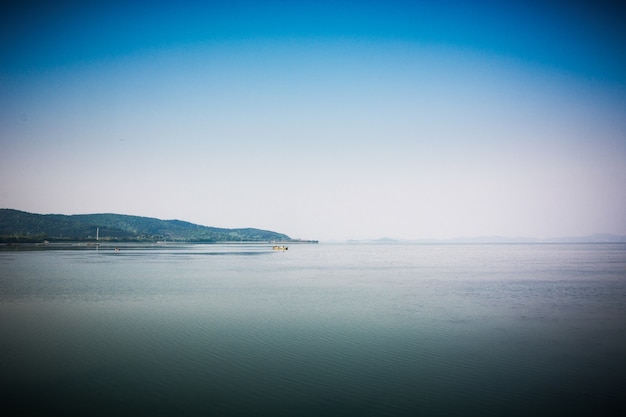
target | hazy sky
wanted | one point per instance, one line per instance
(321, 120)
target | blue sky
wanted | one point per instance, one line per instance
(322, 120)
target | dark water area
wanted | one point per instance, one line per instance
(329, 329)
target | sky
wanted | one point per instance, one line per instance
(322, 120)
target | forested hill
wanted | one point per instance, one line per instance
(19, 226)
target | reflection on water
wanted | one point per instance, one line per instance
(328, 330)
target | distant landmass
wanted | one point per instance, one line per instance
(595, 238)
(19, 226)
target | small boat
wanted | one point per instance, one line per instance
(280, 247)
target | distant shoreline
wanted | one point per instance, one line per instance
(22, 227)
(78, 244)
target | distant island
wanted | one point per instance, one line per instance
(22, 227)
(595, 238)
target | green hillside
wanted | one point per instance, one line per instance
(19, 226)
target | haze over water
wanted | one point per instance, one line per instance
(334, 330)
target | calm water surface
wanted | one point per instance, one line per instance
(318, 330)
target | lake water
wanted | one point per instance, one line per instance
(318, 330)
